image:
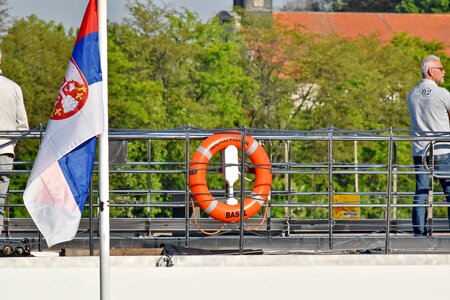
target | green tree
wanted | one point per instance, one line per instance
(192, 69)
(270, 62)
(307, 5)
(312, 82)
(365, 5)
(36, 56)
(168, 69)
(424, 6)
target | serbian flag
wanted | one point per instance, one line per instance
(59, 182)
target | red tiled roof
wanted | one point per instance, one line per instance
(429, 27)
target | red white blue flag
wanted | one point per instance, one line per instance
(59, 182)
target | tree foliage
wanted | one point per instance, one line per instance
(365, 5)
(179, 72)
(424, 6)
(307, 5)
(185, 67)
(168, 69)
(35, 56)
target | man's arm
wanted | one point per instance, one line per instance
(21, 117)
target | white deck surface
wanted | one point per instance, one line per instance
(231, 277)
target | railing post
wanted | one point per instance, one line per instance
(269, 199)
(187, 195)
(394, 181)
(91, 219)
(389, 193)
(149, 177)
(330, 188)
(431, 192)
(41, 136)
(241, 214)
(287, 183)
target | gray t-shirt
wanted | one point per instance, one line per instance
(428, 106)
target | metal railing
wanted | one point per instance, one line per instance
(333, 190)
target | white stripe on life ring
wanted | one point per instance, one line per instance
(253, 148)
(204, 152)
(257, 197)
(211, 207)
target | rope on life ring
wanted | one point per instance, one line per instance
(199, 188)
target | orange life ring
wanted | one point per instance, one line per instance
(197, 177)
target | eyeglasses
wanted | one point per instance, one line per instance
(439, 68)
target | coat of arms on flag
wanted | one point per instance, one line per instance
(72, 95)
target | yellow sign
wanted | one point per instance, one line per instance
(346, 212)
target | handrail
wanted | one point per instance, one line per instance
(290, 203)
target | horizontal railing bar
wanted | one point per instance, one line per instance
(326, 134)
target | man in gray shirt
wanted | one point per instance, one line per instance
(429, 107)
(13, 117)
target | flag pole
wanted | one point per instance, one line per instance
(103, 158)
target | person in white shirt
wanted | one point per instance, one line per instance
(429, 108)
(13, 117)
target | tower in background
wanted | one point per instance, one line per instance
(264, 6)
